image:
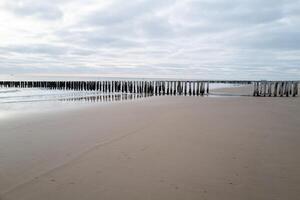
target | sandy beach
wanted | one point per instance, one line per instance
(229, 148)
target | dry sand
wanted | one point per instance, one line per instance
(229, 148)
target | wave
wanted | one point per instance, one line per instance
(9, 91)
(83, 93)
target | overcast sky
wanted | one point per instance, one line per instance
(205, 39)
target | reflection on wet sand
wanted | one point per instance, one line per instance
(104, 98)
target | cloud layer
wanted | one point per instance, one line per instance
(205, 39)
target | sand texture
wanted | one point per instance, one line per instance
(160, 148)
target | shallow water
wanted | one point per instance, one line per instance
(19, 101)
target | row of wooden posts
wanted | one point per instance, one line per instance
(275, 88)
(191, 88)
(187, 88)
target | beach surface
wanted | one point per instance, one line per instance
(160, 148)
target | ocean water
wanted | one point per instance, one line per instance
(19, 101)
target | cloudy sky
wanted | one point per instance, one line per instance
(205, 39)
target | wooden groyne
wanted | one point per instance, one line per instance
(187, 88)
(275, 88)
(158, 87)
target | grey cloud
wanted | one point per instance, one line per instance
(107, 41)
(39, 9)
(155, 27)
(276, 40)
(235, 12)
(48, 50)
(192, 38)
(97, 38)
(45, 49)
(120, 12)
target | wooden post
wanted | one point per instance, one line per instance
(175, 88)
(281, 89)
(287, 89)
(179, 90)
(168, 87)
(269, 89)
(194, 88)
(275, 89)
(264, 88)
(207, 89)
(256, 88)
(202, 88)
(297, 90)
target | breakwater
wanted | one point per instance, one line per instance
(158, 87)
(275, 88)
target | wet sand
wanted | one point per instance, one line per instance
(156, 148)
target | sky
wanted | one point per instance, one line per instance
(203, 39)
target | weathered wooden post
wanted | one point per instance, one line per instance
(175, 88)
(114, 87)
(151, 88)
(122, 87)
(193, 88)
(269, 89)
(106, 86)
(290, 88)
(158, 88)
(110, 87)
(137, 87)
(189, 88)
(295, 89)
(287, 84)
(202, 88)
(256, 88)
(275, 89)
(146, 88)
(134, 87)
(207, 87)
(168, 87)
(179, 90)
(171, 88)
(264, 88)
(281, 89)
